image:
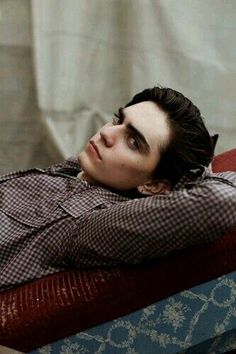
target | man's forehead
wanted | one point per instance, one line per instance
(149, 119)
(146, 109)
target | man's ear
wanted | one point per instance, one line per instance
(155, 187)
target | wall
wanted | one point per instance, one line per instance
(23, 139)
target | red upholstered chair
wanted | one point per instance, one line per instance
(65, 303)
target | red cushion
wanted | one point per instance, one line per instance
(225, 161)
(65, 303)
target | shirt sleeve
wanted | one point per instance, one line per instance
(130, 232)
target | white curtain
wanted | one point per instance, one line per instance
(92, 56)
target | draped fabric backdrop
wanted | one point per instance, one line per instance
(92, 56)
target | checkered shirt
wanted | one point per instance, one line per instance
(50, 220)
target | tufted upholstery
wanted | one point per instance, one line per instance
(63, 304)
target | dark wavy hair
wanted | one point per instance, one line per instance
(190, 146)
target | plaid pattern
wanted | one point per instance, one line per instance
(51, 220)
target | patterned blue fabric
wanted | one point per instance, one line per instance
(200, 320)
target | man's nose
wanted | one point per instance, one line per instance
(109, 135)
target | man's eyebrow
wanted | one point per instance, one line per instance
(135, 131)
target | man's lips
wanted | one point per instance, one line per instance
(91, 142)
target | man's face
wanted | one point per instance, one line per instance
(124, 153)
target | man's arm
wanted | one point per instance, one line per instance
(132, 231)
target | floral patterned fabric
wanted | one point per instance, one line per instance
(198, 320)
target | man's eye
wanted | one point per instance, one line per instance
(134, 143)
(116, 119)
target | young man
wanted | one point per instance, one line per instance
(140, 189)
